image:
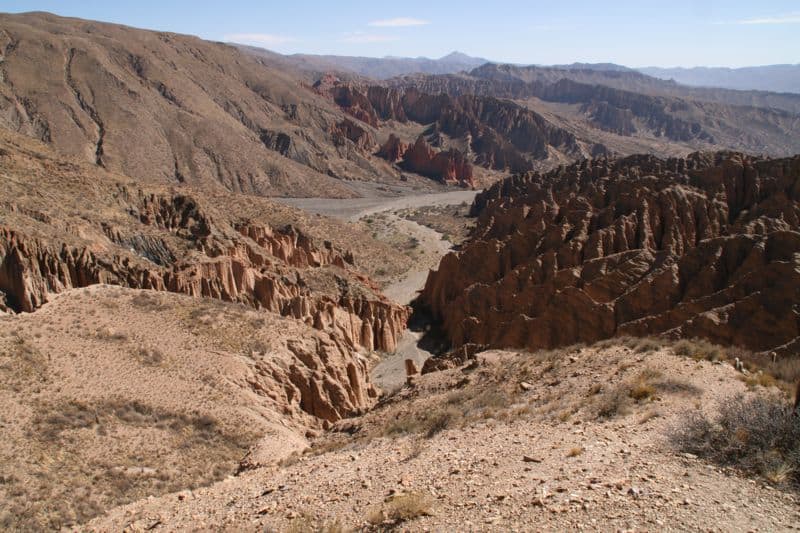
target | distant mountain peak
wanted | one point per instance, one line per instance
(455, 55)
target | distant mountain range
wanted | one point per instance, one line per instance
(376, 67)
(776, 78)
(773, 78)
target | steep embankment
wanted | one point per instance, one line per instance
(110, 395)
(705, 246)
(66, 225)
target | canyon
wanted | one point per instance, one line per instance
(698, 247)
(246, 290)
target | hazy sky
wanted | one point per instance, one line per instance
(633, 33)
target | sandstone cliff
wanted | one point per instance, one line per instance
(51, 241)
(501, 134)
(448, 166)
(705, 246)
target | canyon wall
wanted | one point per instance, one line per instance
(705, 246)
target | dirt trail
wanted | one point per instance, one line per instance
(390, 372)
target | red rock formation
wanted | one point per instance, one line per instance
(502, 134)
(706, 246)
(449, 166)
(393, 149)
(347, 130)
(254, 264)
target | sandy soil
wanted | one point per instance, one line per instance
(356, 208)
(512, 458)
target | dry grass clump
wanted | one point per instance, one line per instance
(400, 509)
(699, 349)
(643, 388)
(307, 524)
(71, 489)
(574, 452)
(758, 434)
(759, 379)
(458, 409)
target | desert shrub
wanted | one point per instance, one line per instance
(698, 349)
(615, 402)
(429, 423)
(150, 301)
(149, 356)
(108, 334)
(759, 435)
(647, 345)
(401, 509)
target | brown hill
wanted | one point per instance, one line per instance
(628, 117)
(171, 108)
(705, 246)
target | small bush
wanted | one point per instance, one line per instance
(401, 509)
(647, 345)
(759, 435)
(613, 403)
(698, 349)
(574, 452)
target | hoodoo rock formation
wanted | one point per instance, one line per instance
(706, 246)
(393, 149)
(449, 166)
(169, 241)
(501, 134)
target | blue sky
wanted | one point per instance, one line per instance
(633, 33)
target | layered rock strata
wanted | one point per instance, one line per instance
(706, 246)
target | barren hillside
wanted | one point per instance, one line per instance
(578, 439)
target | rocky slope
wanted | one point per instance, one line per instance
(705, 246)
(498, 134)
(65, 225)
(168, 108)
(110, 395)
(617, 103)
(472, 449)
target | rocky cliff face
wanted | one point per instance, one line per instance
(705, 246)
(449, 166)
(501, 134)
(267, 268)
(174, 241)
(629, 105)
